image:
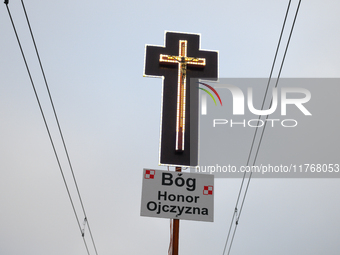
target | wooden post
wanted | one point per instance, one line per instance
(175, 230)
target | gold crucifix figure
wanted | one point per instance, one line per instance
(183, 61)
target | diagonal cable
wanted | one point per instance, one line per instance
(253, 141)
(45, 122)
(58, 124)
(258, 147)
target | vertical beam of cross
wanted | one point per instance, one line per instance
(183, 61)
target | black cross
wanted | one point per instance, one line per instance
(178, 62)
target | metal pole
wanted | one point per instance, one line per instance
(175, 230)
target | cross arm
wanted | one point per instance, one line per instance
(152, 54)
(190, 61)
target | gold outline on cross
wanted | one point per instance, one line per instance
(183, 61)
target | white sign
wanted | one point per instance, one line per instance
(177, 195)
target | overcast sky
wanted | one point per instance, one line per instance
(93, 55)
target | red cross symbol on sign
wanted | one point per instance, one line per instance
(208, 190)
(149, 174)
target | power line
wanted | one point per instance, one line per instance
(277, 81)
(253, 141)
(259, 144)
(58, 124)
(46, 125)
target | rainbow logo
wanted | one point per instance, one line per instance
(209, 93)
